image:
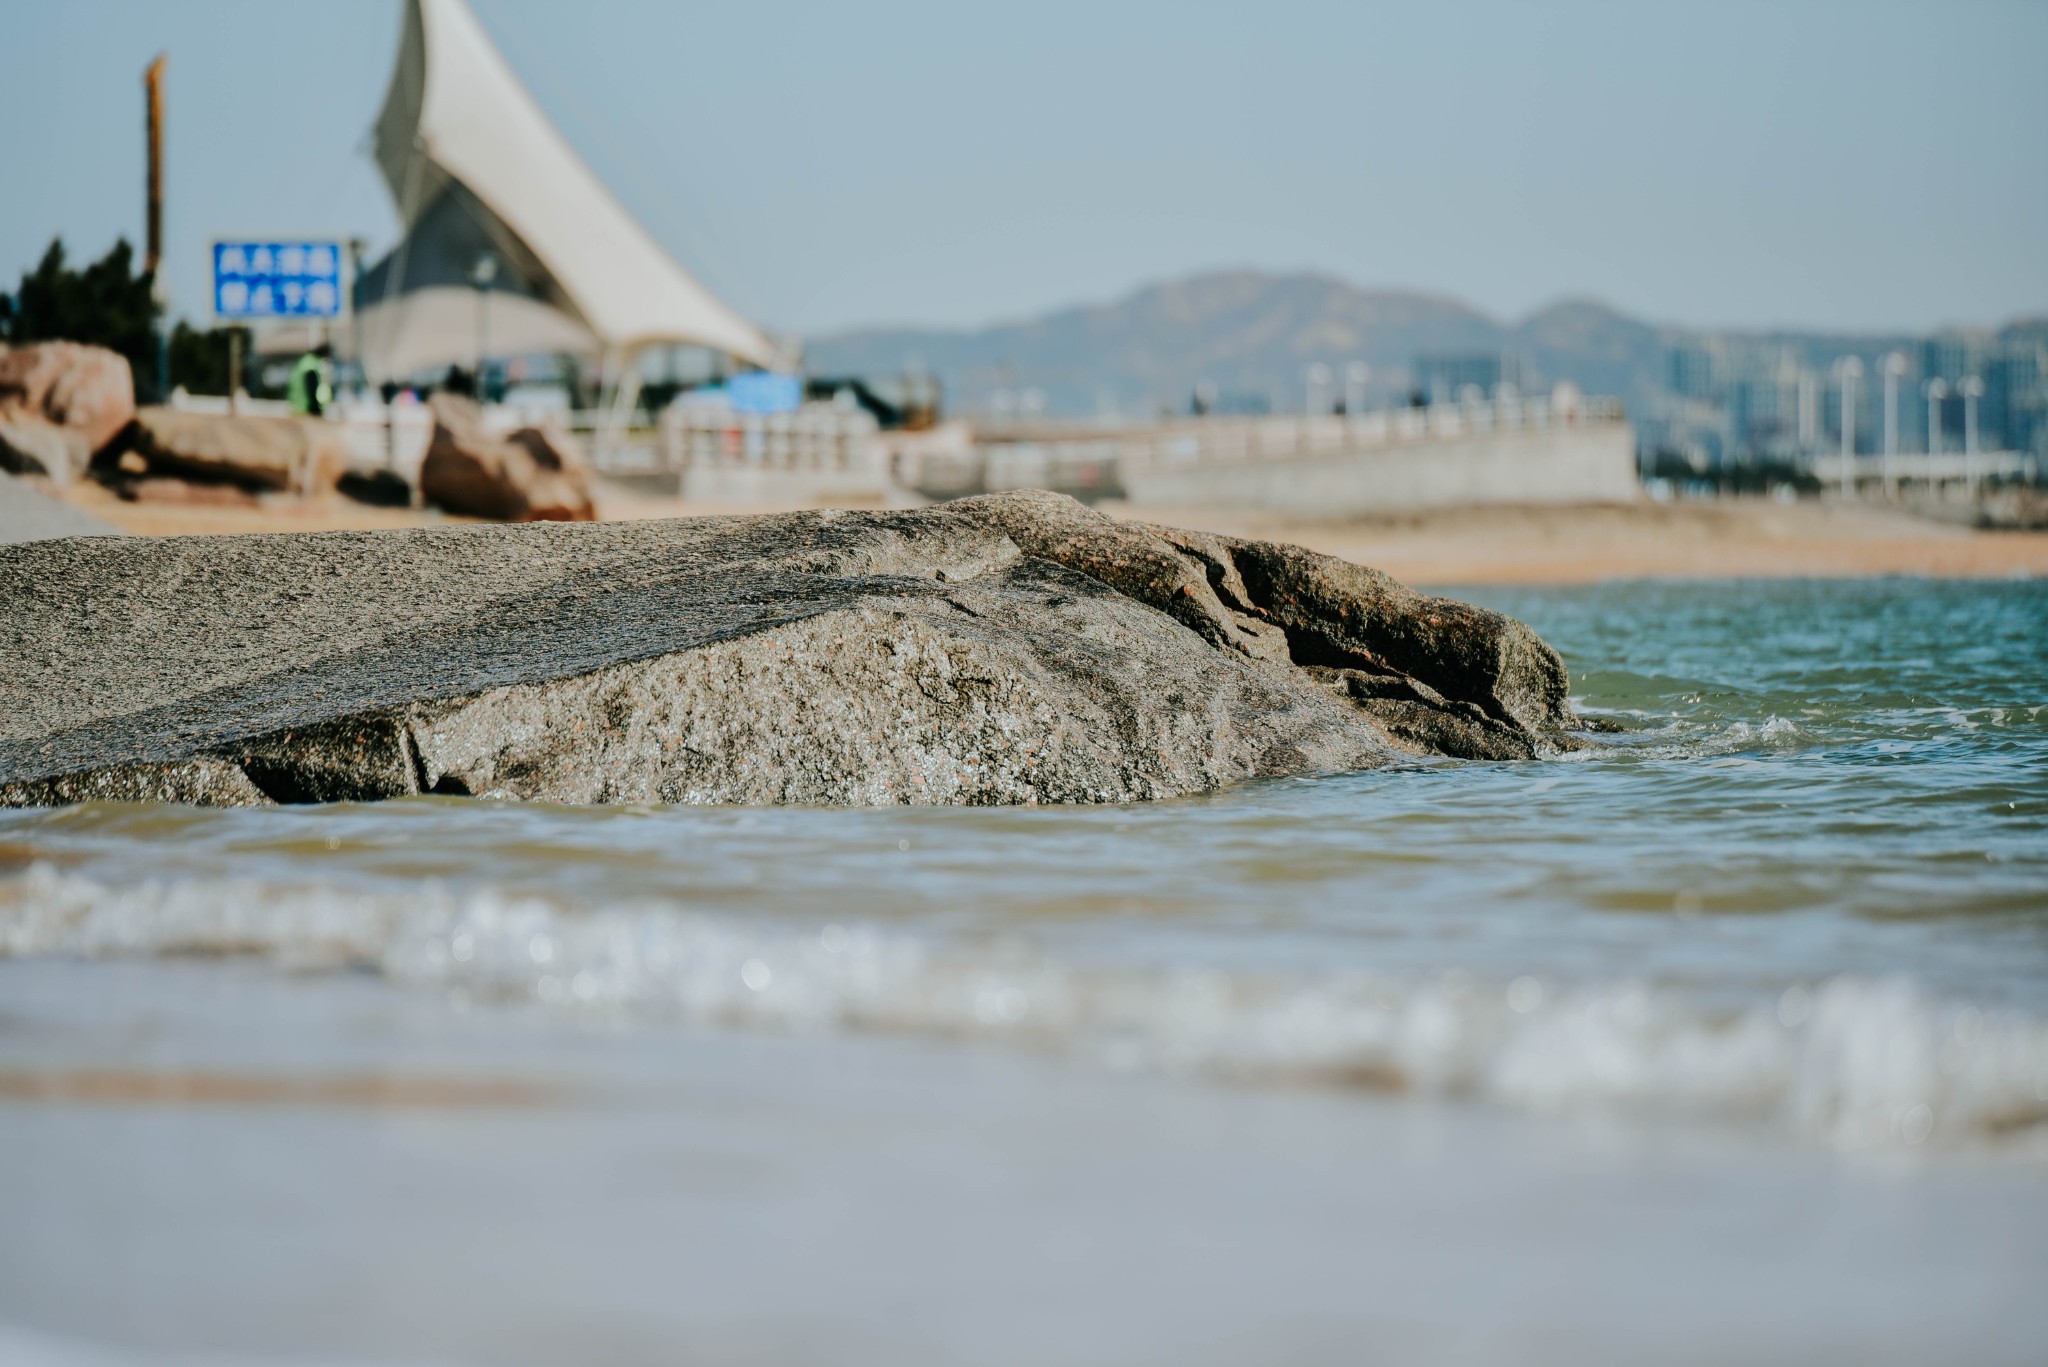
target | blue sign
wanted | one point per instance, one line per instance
(763, 392)
(276, 279)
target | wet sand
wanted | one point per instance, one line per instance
(716, 1197)
(1725, 539)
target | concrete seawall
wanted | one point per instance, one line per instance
(1592, 462)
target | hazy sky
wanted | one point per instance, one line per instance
(1853, 165)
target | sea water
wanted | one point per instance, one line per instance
(1744, 1008)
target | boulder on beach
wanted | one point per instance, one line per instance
(533, 475)
(259, 454)
(1015, 648)
(86, 389)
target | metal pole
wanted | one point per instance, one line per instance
(356, 247)
(234, 370)
(1894, 367)
(1318, 389)
(1355, 377)
(1937, 390)
(481, 274)
(1973, 390)
(1849, 369)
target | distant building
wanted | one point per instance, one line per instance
(1736, 399)
(1951, 357)
(1692, 372)
(2014, 415)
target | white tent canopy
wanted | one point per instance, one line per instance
(476, 167)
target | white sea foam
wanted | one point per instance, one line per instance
(1856, 1063)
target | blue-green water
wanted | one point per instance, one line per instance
(1807, 888)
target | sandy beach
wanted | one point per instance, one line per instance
(1725, 539)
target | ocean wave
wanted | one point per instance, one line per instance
(1663, 737)
(1850, 1062)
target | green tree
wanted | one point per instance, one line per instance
(199, 359)
(106, 304)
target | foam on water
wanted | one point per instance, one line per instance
(1851, 1062)
(1805, 889)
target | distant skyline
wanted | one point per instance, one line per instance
(1859, 167)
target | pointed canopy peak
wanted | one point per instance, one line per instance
(455, 112)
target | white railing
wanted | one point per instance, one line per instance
(221, 405)
(1087, 457)
(1949, 467)
(817, 436)
(1237, 441)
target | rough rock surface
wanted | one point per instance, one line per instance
(533, 475)
(292, 455)
(88, 389)
(1016, 648)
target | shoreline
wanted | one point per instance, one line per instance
(1737, 538)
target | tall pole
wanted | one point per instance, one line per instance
(1850, 370)
(1355, 377)
(1318, 389)
(1973, 390)
(481, 275)
(1894, 367)
(356, 247)
(153, 220)
(1937, 390)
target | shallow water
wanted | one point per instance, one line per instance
(1801, 903)
(1808, 885)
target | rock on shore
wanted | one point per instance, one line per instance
(1016, 648)
(536, 474)
(86, 388)
(235, 452)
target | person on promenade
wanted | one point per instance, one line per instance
(311, 388)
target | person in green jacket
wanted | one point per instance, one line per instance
(311, 388)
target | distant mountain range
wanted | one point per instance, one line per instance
(1251, 335)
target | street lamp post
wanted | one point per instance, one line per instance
(356, 247)
(1318, 389)
(1894, 369)
(1973, 390)
(1937, 390)
(481, 275)
(1848, 371)
(1356, 375)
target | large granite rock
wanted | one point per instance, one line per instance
(1017, 648)
(534, 475)
(260, 454)
(87, 389)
